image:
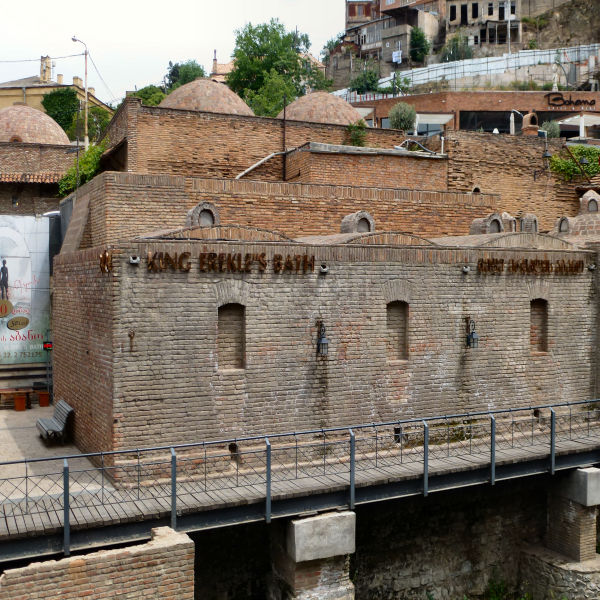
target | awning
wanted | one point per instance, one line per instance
(434, 118)
(588, 120)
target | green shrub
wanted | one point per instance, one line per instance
(366, 81)
(552, 128)
(89, 165)
(61, 105)
(419, 45)
(357, 133)
(563, 165)
(403, 116)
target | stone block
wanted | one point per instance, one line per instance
(583, 486)
(323, 536)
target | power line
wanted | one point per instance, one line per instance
(38, 60)
(113, 97)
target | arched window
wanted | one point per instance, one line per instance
(592, 206)
(207, 218)
(363, 226)
(477, 190)
(231, 337)
(539, 325)
(15, 139)
(397, 331)
(563, 226)
(495, 226)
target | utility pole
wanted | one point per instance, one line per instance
(86, 140)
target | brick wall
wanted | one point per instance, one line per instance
(34, 198)
(179, 142)
(377, 170)
(167, 385)
(124, 205)
(502, 164)
(162, 569)
(35, 158)
(83, 311)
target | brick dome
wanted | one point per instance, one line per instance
(207, 95)
(321, 107)
(21, 123)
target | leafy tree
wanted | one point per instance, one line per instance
(179, 74)
(262, 48)
(552, 129)
(330, 45)
(151, 95)
(98, 120)
(366, 81)
(397, 84)
(402, 116)
(357, 133)
(457, 48)
(565, 166)
(61, 105)
(419, 45)
(268, 101)
(89, 165)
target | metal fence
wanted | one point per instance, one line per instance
(479, 67)
(99, 488)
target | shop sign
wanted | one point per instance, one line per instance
(529, 266)
(557, 99)
(17, 323)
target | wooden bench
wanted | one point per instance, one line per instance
(55, 428)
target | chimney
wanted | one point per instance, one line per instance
(45, 69)
(77, 81)
(214, 71)
(91, 91)
(59, 78)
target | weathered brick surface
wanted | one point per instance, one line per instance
(35, 158)
(162, 569)
(33, 199)
(167, 386)
(124, 205)
(571, 528)
(83, 314)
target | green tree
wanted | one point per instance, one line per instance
(552, 128)
(179, 74)
(151, 95)
(402, 116)
(98, 120)
(419, 45)
(268, 101)
(61, 105)
(330, 45)
(262, 48)
(565, 166)
(89, 165)
(366, 81)
(457, 48)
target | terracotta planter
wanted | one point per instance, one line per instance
(20, 401)
(44, 398)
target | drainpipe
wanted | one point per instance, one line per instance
(284, 136)
(24, 95)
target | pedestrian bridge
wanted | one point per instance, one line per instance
(61, 504)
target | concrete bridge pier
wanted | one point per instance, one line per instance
(311, 557)
(572, 508)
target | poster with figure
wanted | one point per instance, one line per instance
(24, 289)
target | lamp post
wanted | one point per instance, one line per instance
(86, 141)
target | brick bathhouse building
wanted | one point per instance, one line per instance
(199, 267)
(484, 110)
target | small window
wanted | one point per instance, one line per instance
(453, 12)
(476, 190)
(231, 337)
(563, 226)
(592, 206)
(474, 10)
(490, 9)
(513, 8)
(495, 226)
(207, 219)
(15, 139)
(539, 325)
(397, 329)
(363, 226)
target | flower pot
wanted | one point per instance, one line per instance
(44, 398)
(20, 401)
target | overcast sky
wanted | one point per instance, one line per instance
(131, 42)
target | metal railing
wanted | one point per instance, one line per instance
(98, 488)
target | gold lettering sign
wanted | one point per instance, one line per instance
(17, 323)
(211, 262)
(529, 266)
(106, 262)
(5, 308)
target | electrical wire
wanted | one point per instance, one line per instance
(113, 97)
(38, 60)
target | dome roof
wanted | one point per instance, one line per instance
(321, 107)
(21, 123)
(209, 96)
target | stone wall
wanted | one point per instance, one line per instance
(117, 206)
(448, 544)
(83, 313)
(160, 372)
(546, 574)
(162, 569)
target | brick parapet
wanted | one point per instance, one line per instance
(162, 569)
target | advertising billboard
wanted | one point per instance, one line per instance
(24, 289)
